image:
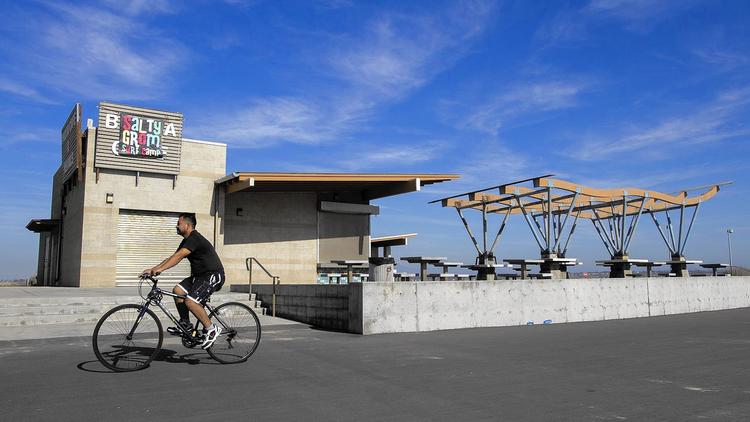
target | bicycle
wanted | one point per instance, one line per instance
(128, 337)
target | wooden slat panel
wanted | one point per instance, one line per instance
(172, 145)
(71, 140)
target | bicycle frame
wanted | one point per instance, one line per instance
(155, 296)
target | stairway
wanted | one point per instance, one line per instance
(86, 310)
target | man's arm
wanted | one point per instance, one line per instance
(169, 262)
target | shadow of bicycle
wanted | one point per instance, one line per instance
(136, 356)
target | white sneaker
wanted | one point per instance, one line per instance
(211, 335)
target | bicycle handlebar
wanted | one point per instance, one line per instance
(149, 277)
(144, 277)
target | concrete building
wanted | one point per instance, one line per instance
(122, 184)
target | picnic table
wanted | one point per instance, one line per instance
(404, 276)
(387, 242)
(349, 264)
(714, 267)
(555, 266)
(649, 265)
(524, 263)
(423, 261)
(679, 266)
(620, 267)
(571, 264)
(484, 271)
(445, 266)
(685, 261)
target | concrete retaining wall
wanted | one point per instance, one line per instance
(373, 307)
(427, 306)
(332, 307)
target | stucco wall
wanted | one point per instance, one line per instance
(279, 229)
(343, 236)
(72, 200)
(202, 164)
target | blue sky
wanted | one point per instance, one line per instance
(609, 93)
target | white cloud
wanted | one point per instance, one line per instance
(400, 53)
(370, 157)
(269, 121)
(634, 11)
(723, 58)
(334, 4)
(520, 101)
(566, 26)
(571, 25)
(140, 7)
(668, 181)
(380, 157)
(24, 91)
(395, 55)
(488, 163)
(35, 135)
(92, 52)
(712, 122)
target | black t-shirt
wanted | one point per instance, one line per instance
(203, 258)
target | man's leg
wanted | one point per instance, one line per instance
(203, 288)
(179, 302)
(199, 313)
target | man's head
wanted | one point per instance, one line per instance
(185, 224)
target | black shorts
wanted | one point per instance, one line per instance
(200, 287)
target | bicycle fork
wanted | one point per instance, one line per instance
(144, 307)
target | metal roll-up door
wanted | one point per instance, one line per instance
(144, 239)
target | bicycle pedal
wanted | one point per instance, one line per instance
(174, 331)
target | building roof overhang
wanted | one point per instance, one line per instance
(43, 225)
(395, 240)
(372, 185)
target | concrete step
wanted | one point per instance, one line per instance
(85, 329)
(33, 320)
(99, 308)
(92, 306)
(112, 300)
(86, 313)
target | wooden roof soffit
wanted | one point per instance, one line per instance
(607, 193)
(590, 203)
(397, 240)
(393, 188)
(240, 184)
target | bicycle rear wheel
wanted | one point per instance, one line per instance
(240, 334)
(127, 338)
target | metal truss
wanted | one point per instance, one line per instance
(547, 206)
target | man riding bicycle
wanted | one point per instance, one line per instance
(206, 277)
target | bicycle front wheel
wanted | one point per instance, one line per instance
(127, 338)
(240, 332)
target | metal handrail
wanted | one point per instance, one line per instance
(274, 278)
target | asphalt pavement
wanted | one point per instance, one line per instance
(678, 368)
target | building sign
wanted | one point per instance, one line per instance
(140, 139)
(139, 136)
(71, 144)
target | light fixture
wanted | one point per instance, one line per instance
(110, 197)
(729, 242)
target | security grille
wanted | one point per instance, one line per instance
(144, 239)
